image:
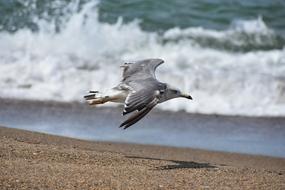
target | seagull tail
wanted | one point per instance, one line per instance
(91, 95)
(94, 98)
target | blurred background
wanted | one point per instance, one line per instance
(228, 54)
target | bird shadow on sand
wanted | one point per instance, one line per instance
(176, 164)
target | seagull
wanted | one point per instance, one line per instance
(139, 91)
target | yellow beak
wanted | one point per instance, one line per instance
(186, 96)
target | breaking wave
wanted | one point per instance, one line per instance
(236, 71)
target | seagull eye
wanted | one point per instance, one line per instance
(175, 91)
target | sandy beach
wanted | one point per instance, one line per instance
(31, 160)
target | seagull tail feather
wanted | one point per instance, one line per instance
(93, 98)
(91, 95)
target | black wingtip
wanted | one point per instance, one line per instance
(122, 124)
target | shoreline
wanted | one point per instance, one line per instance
(147, 145)
(37, 160)
(73, 104)
(257, 136)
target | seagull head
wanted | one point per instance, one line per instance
(175, 93)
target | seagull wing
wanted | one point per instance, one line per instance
(142, 98)
(140, 70)
(138, 100)
(140, 114)
(139, 78)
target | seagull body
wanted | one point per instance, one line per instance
(139, 91)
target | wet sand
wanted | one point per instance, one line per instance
(31, 160)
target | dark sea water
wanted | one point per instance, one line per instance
(228, 54)
(251, 135)
(155, 16)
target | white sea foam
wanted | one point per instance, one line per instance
(86, 54)
(240, 33)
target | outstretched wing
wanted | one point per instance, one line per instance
(140, 70)
(143, 97)
(140, 114)
(139, 78)
(138, 100)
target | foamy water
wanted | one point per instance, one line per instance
(85, 54)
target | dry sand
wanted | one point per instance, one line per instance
(32, 160)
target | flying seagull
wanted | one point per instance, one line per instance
(139, 90)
